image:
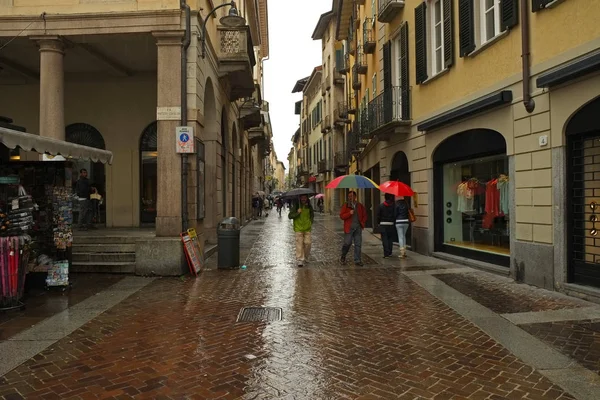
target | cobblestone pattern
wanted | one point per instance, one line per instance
(577, 339)
(364, 333)
(503, 296)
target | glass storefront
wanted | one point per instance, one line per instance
(476, 205)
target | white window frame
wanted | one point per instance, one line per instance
(483, 12)
(374, 85)
(396, 61)
(433, 46)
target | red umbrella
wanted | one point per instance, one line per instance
(396, 188)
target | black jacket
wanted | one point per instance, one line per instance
(83, 188)
(386, 212)
(401, 210)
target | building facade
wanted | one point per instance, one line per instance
(123, 76)
(487, 113)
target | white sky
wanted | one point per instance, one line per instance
(293, 55)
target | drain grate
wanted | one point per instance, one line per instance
(259, 314)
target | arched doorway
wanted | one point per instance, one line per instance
(148, 174)
(224, 166)
(583, 195)
(87, 135)
(471, 196)
(399, 172)
(234, 173)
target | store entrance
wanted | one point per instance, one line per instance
(148, 174)
(583, 195)
(471, 196)
(87, 135)
(400, 173)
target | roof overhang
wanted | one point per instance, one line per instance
(44, 145)
(300, 83)
(316, 73)
(344, 12)
(322, 25)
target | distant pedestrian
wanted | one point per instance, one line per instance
(354, 215)
(386, 219)
(402, 224)
(261, 205)
(320, 204)
(255, 205)
(303, 216)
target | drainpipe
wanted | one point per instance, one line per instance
(184, 157)
(528, 102)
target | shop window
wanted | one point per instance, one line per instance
(476, 204)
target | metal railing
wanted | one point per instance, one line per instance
(356, 82)
(360, 61)
(386, 108)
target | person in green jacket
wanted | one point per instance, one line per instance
(303, 216)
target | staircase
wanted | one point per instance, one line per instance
(104, 254)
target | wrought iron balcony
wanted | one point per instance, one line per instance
(387, 115)
(323, 166)
(341, 113)
(356, 82)
(340, 159)
(360, 62)
(236, 60)
(369, 43)
(388, 9)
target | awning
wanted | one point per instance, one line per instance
(44, 145)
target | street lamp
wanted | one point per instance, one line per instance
(231, 20)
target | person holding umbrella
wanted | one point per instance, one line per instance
(354, 216)
(303, 216)
(386, 217)
(402, 223)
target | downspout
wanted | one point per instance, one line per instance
(184, 157)
(528, 101)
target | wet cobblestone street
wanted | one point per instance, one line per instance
(416, 328)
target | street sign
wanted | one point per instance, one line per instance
(184, 139)
(168, 113)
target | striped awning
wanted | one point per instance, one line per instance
(44, 145)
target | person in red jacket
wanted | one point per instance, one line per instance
(354, 215)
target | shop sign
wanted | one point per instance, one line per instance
(184, 139)
(193, 252)
(168, 113)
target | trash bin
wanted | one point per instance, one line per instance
(228, 241)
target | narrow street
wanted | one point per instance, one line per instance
(418, 328)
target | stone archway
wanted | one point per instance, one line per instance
(148, 174)
(87, 135)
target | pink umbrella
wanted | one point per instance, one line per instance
(319, 196)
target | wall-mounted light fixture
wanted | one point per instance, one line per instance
(233, 19)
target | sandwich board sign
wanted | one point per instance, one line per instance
(193, 252)
(184, 139)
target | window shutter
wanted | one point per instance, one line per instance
(421, 42)
(466, 29)
(404, 82)
(537, 5)
(509, 14)
(339, 60)
(448, 34)
(387, 65)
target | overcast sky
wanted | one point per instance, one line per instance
(292, 56)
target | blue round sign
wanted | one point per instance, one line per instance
(184, 137)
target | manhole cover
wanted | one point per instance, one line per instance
(259, 314)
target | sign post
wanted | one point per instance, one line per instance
(184, 140)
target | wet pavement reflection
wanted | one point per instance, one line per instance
(346, 333)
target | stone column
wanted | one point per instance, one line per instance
(168, 216)
(52, 87)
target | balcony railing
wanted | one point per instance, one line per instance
(356, 82)
(360, 62)
(323, 166)
(388, 9)
(340, 159)
(341, 113)
(386, 113)
(369, 43)
(344, 65)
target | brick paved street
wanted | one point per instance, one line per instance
(418, 328)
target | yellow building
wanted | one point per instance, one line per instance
(487, 110)
(113, 75)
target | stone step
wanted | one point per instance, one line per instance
(101, 239)
(104, 267)
(104, 248)
(103, 257)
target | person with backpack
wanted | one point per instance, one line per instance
(402, 224)
(303, 216)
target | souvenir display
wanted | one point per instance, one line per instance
(58, 274)
(63, 217)
(14, 256)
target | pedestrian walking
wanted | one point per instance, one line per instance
(402, 223)
(386, 219)
(320, 204)
(255, 205)
(261, 205)
(83, 188)
(354, 215)
(303, 216)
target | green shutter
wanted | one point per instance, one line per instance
(421, 42)
(466, 26)
(448, 33)
(509, 14)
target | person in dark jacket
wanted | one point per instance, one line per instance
(354, 215)
(386, 219)
(402, 223)
(83, 188)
